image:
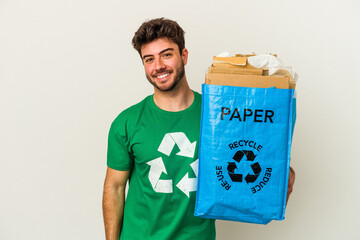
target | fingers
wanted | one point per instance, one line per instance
(290, 183)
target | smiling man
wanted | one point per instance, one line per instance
(155, 145)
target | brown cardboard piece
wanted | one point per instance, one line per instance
(238, 70)
(239, 61)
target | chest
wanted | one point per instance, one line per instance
(171, 141)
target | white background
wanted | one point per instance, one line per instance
(67, 68)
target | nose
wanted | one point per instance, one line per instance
(159, 65)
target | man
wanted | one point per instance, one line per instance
(155, 144)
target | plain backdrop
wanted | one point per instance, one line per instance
(67, 69)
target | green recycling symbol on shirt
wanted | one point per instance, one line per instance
(157, 167)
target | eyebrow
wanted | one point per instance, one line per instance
(167, 49)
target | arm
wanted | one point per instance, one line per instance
(290, 183)
(113, 202)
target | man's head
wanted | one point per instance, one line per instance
(159, 28)
(160, 43)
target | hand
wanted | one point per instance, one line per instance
(290, 183)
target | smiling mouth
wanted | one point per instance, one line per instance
(161, 76)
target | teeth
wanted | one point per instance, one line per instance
(163, 75)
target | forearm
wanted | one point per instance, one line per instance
(113, 209)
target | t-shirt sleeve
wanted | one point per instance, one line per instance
(118, 155)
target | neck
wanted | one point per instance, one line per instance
(178, 99)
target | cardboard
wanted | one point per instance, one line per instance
(242, 71)
(235, 71)
(240, 61)
(230, 65)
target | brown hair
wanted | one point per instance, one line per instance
(159, 28)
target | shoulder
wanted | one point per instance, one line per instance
(130, 114)
(197, 97)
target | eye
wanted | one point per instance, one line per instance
(148, 60)
(167, 55)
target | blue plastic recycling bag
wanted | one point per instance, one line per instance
(244, 156)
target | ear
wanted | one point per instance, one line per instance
(185, 55)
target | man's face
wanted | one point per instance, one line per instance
(164, 66)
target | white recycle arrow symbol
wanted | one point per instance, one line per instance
(156, 168)
(187, 184)
(187, 149)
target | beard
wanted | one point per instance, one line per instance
(180, 72)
